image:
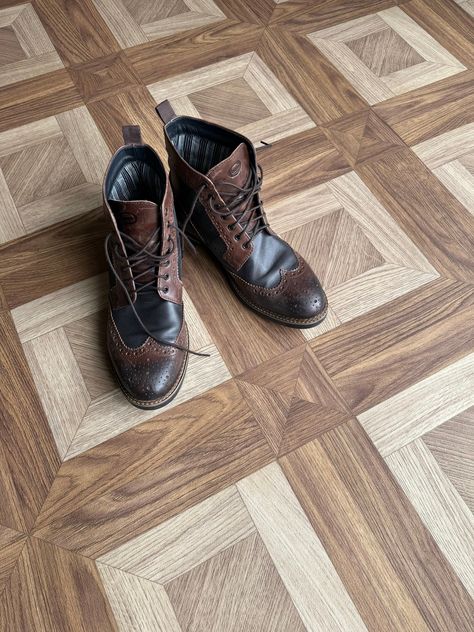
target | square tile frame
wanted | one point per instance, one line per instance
(438, 64)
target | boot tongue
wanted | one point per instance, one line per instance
(138, 219)
(236, 169)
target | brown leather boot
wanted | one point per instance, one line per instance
(147, 337)
(216, 184)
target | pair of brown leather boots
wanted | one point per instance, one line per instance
(212, 197)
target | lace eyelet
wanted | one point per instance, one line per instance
(231, 226)
(166, 276)
(236, 237)
(165, 290)
(166, 263)
(246, 246)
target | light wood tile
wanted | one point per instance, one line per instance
(35, 54)
(300, 558)
(439, 505)
(240, 93)
(385, 54)
(185, 541)
(406, 416)
(223, 593)
(451, 443)
(60, 385)
(138, 604)
(135, 23)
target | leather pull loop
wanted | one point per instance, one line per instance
(132, 135)
(165, 111)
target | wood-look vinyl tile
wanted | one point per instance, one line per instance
(309, 76)
(43, 581)
(152, 472)
(28, 457)
(77, 30)
(431, 110)
(11, 546)
(187, 51)
(432, 217)
(389, 562)
(104, 77)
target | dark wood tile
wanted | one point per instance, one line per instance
(431, 110)
(104, 77)
(309, 76)
(431, 216)
(193, 49)
(28, 457)
(303, 16)
(76, 29)
(51, 259)
(51, 590)
(299, 162)
(154, 471)
(392, 323)
(378, 376)
(136, 107)
(387, 559)
(11, 545)
(362, 137)
(253, 12)
(37, 98)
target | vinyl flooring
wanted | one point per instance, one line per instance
(316, 480)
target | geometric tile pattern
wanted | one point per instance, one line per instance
(240, 92)
(135, 22)
(385, 54)
(64, 343)
(315, 479)
(25, 48)
(50, 170)
(450, 156)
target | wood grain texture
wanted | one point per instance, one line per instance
(341, 475)
(185, 541)
(430, 110)
(11, 546)
(438, 504)
(399, 420)
(44, 579)
(177, 461)
(451, 444)
(104, 77)
(137, 603)
(77, 30)
(197, 48)
(28, 457)
(226, 590)
(306, 570)
(309, 76)
(419, 203)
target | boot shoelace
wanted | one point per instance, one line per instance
(243, 197)
(142, 254)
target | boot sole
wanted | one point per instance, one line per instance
(162, 401)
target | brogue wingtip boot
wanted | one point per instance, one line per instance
(147, 338)
(216, 184)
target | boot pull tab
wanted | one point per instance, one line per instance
(165, 111)
(132, 135)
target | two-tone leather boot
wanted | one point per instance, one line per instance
(216, 184)
(147, 337)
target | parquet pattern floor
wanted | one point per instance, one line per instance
(303, 480)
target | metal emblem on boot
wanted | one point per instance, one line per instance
(216, 184)
(147, 337)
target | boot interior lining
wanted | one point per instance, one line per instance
(201, 145)
(138, 175)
